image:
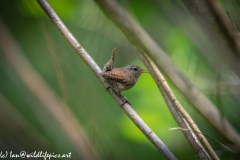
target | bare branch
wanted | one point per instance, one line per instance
(178, 112)
(161, 147)
(117, 15)
(139, 38)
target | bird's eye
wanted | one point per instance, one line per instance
(135, 69)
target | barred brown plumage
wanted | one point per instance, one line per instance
(121, 79)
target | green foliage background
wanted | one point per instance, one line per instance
(107, 127)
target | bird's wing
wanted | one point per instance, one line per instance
(119, 75)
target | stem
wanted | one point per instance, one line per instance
(161, 147)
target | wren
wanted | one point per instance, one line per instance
(120, 79)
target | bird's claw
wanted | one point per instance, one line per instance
(107, 89)
(124, 99)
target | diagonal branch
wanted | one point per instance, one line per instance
(178, 112)
(139, 38)
(161, 147)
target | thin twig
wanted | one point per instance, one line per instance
(161, 147)
(178, 112)
(179, 128)
(212, 21)
(139, 38)
(233, 23)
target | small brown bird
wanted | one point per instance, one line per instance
(121, 79)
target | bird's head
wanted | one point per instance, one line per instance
(136, 71)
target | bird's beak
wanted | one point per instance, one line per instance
(144, 71)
